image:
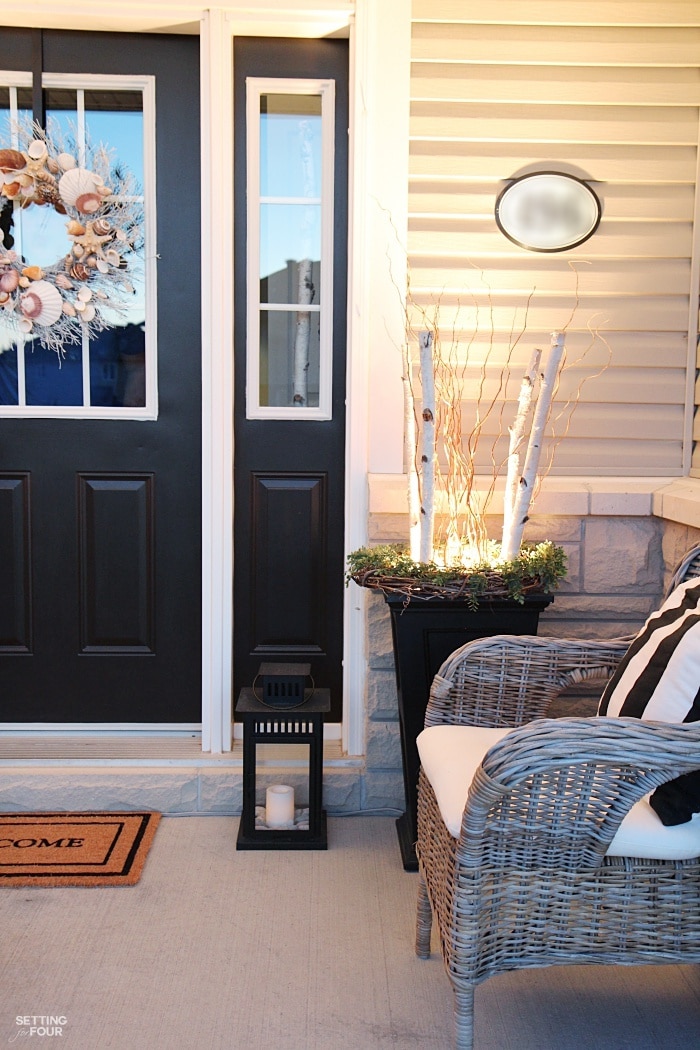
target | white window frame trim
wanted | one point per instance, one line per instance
(105, 82)
(255, 87)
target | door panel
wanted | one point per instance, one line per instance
(117, 527)
(289, 472)
(285, 507)
(102, 517)
(15, 575)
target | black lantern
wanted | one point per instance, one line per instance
(282, 685)
(295, 716)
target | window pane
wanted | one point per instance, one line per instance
(289, 359)
(9, 394)
(41, 232)
(290, 252)
(62, 114)
(49, 384)
(115, 118)
(118, 367)
(290, 145)
(24, 104)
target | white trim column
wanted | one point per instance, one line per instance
(216, 51)
(380, 57)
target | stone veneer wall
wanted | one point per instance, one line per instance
(618, 569)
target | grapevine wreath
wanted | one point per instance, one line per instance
(59, 303)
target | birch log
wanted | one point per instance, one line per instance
(527, 481)
(410, 452)
(302, 338)
(427, 510)
(517, 446)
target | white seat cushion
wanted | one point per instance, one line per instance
(450, 756)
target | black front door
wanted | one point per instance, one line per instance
(289, 466)
(100, 535)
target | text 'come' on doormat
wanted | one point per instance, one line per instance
(74, 849)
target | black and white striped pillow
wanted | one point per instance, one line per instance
(658, 680)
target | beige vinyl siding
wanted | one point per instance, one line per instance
(609, 92)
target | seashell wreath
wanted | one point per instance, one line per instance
(58, 304)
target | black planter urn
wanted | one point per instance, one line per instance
(424, 634)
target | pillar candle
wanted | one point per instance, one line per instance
(279, 806)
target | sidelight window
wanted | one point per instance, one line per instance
(289, 138)
(103, 374)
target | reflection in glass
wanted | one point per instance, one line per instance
(290, 145)
(289, 378)
(117, 372)
(41, 232)
(47, 384)
(9, 390)
(116, 119)
(290, 247)
(62, 115)
(118, 367)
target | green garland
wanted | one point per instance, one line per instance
(538, 568)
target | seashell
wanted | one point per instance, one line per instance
(62, 281)
(24, 282)
(68, 309)
(30, 305)
(88, 313)
(76, 183)
(11, 189)
(101, 227)
(11, 160)
(42, 304)
(102, 266)
(78, 250)
(34, 273)
(52, 165)
(75, 228)
(80, 272)
(91, 261)
(120, 235)
(9, 280)
(4, 296)
(85, 295)
(89, 203)
(66, 161)
(37, 149)
(112, 256)
(25, 325)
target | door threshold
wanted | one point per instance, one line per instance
(121, 750)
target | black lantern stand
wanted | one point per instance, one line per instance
(300, 725)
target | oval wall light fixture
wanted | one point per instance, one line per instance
(548, 211)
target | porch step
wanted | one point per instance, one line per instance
(171, 774)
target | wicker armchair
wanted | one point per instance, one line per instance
(527, 881)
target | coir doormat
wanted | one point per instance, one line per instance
(74, 849)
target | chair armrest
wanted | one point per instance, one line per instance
(553, 793)
(508, 680)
